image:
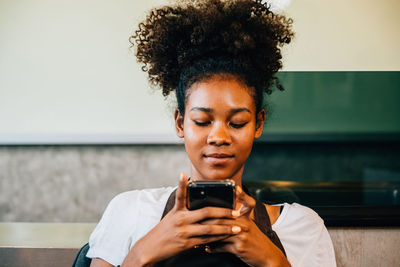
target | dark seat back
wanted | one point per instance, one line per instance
(80, 259)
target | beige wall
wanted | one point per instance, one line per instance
(66, 68)
(67, 74)
(341, 35)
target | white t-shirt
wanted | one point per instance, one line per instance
(130, 215)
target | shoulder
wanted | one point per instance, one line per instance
(124, 210)
(304, 236)
(126, 207)
(298, 222)
(298, 216)
(134, 198)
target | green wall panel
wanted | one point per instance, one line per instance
(335, 103)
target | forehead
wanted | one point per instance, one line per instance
(220, 93)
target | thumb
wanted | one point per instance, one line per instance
(180, 198)
(248, 203)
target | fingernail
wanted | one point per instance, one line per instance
(236, 229)
(235, 213)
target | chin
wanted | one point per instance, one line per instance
(217, 175)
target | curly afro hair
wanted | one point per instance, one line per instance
(180, 45)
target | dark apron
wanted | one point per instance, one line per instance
(197, 257)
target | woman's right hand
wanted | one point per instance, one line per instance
(180, 230)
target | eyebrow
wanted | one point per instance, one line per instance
(210, 110)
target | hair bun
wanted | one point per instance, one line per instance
(172, 38)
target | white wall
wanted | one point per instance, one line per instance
(67, 73)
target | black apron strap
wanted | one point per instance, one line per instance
(264, 223)
(170, 204)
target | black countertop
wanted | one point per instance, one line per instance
(338, 203)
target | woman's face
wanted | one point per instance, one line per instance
(219, 127)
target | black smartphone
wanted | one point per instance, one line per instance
(202, 194)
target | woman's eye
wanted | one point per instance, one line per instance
(238, 125)
(202, 123)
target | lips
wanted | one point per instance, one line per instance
(218, 158)
(218, 155)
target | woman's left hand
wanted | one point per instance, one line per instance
(251, 244)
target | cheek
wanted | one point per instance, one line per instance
(244, 141)
(190, 134)
(246, 135)
(245, 147)
(194, 136)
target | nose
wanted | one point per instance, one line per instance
(219, 135)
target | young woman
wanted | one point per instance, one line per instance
(220, 58)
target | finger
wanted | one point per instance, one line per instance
(200, 230)
(223, 247)
(232, 244)
(229, 240)
(248, 203)
(195, 241)
(211, 212)
(227, 222)
(180, 198)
